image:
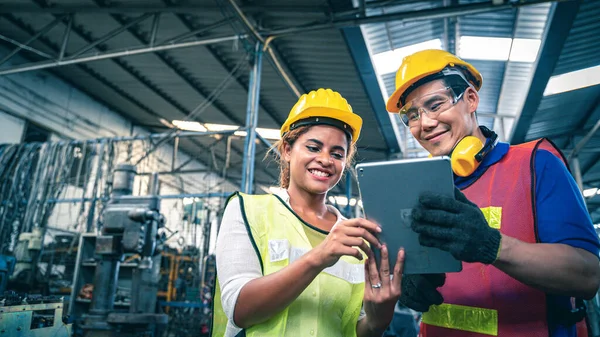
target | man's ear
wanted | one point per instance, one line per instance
(471, 97)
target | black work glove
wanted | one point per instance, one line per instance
(456, 226)
(419, 291)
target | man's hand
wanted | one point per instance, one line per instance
(419, 292)
(457, 226)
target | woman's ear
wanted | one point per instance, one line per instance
(471, 97)
(287, 152)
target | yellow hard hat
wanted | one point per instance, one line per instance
(323, 106)
(424, 63)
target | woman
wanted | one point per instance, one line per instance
(291, 265)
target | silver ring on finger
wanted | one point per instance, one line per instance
(378, 285)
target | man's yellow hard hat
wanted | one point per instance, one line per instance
(424, 63)
(324, 106)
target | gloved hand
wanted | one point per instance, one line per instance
(457, 226)
(419, 291)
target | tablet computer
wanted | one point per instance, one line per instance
(389, 191)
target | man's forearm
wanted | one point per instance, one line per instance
(553, 268)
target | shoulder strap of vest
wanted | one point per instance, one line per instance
(545, 144)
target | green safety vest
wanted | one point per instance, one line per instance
(329, 306)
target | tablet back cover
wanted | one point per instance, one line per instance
(389, 191)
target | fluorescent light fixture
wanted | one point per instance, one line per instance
(190, 126)
(525, 50)
(484, 48)
(389, 61)
(574, 80)
(272, 134)
(590, 192)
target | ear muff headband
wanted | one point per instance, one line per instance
(470, 151)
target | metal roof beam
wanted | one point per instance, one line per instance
(41, 32)
(112, 55)
(104, 81)
(557, 30)
(290, 79)
(417, 15)
(179, 9)
(245, 85)
(181, 73)
(362, 61)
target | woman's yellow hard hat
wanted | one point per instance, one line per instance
(324, 106)
(424, 63)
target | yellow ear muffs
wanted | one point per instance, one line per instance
(463, 159)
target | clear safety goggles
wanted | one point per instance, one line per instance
(432, 104)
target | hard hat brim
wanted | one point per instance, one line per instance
(392, 102)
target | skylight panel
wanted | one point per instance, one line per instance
(389, 61)
(484, 48)
(572, 81)
(525, 50)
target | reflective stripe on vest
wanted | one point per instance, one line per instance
(460, 317)
(280, 250)
(465, 318)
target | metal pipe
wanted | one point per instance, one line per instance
(22, 46)
(273, 57)
(425, 14)
(173, 172)
(42, 31)
(166, 196)
(577, 172)
(584, 140)
(111, 34)
(155, 23)
(200, 30)
(110, 55)
(175, 150)
(65, 40)
(180, 134)
(348, 193)
(181, 9)
(252, 121)
(92, 210)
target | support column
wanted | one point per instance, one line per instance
(348, 194)
(251, 121)
(577, 172)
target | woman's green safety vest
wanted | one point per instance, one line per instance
(329, 306)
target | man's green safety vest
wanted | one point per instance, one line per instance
(329, 306)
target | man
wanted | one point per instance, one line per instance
(518, 223)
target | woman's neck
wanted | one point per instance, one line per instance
(303, 202)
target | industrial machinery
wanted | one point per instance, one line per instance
(130, 225)
(26, 253)
(7, 267)
(32, 316)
